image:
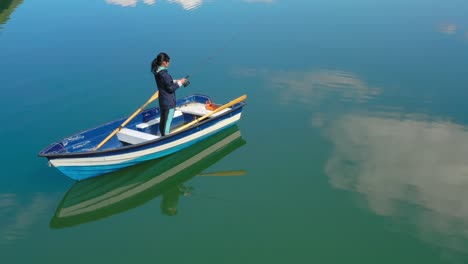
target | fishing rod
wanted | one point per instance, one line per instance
(214, 54)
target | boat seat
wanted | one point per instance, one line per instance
(131, 136)
(143, 126)
(199, 110)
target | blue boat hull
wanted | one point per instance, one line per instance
(74, 156)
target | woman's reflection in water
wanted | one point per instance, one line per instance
(170, 199)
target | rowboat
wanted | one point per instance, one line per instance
(117, 192)
(97, 151)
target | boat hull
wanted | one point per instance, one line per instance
(80, 165)
(87, 167)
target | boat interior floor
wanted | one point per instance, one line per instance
(149, 130)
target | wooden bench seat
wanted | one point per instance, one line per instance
(199, 110)
(132, 136)
(145, 125)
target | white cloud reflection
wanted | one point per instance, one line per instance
(260, 1)
(122, 2)
(396, 161)
(16, 219)
(402, 162)
(453, 29)
(315, 85)
(448, 28)
(127, 3)
(186, 4)
(7, 200)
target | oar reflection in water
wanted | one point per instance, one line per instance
(118, 192)
(170, 198)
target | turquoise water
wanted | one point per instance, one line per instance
(355, 138)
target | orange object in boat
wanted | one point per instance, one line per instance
(210, 106)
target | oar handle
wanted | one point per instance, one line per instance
(233, 102)
(154, 97)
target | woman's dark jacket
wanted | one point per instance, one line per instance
(167, 88)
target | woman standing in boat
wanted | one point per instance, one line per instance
(167, 87)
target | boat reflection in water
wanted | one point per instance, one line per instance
(123, 190)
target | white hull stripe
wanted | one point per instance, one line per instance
(122, 158)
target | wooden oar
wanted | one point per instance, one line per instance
(154, 97)
(223, 173)
(233, 102)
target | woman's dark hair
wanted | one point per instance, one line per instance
(158, 60)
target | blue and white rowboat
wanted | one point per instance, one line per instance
(76, 156)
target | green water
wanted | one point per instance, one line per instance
(353, 146)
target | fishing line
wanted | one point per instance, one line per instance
(210, 58)
(217, 52)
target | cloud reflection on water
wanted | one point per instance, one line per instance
(408, 167)
(122, 2)
(260, 1)
(448, 28)
(398, 163)
(16, 219)
(453, 29)
(313, 86)
(186, 4)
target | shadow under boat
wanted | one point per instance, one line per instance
(117, 192)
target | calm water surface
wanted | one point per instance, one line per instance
(353, 147)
